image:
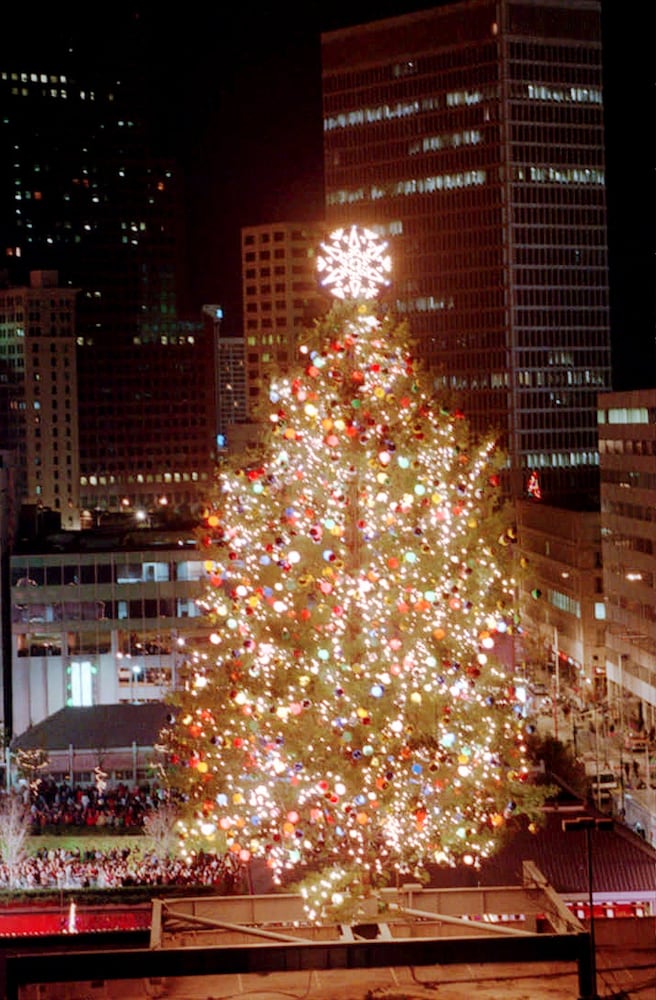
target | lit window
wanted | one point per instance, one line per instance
(81, 691)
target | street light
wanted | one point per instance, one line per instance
(589, 823)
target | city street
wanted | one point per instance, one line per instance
(603, 749)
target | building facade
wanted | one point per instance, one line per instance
(561, 596)
(627, 447)
(38, 358)
(230, 365)
(83, 191)
(149, 443)
(472, 136)
(280, 297)
(99, 618)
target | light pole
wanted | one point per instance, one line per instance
(555, 686)
(178, 655)
(588, 824)
(621, 693)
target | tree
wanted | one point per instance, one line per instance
(352, 715)
(14, 831)
(559, 763)
(159, 827)
(31, 764)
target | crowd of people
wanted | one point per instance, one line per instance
(60, 804)
(61, 808)
(62, 868)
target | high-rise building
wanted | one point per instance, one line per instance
(280, 296)
(38, 362)
(149, 441)
(230, 404)
(627, 446)
(472, 135)
(83, 192)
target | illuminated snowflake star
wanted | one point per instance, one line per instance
(354, 264)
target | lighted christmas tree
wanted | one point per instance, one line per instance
(353, 715)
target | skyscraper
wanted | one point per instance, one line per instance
(37, 364)
(230, 400)
(472, 136)
(82, 191)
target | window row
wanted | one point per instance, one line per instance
(278, 236)
(279, 254)
(635, 511)
(35, 574)
(628, 478)
(621, 447)
(71, 611)
(99, 641)
(640, 610)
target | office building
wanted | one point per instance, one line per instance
(83, 192)
(38, 361)
(472, 136)
(561, 597)
(627, 447)
(150, 440)
(100, 618)
(230, 400)
(280, 297)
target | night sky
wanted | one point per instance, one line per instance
(235, 95)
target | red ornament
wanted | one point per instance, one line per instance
(533, 487)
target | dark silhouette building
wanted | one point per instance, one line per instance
(84, 192)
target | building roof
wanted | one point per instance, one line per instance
(622, 861)
(106, 726)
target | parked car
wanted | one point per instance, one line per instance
(602, 785)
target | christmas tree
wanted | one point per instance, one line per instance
(353, 716)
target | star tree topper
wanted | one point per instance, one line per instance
(354, 264)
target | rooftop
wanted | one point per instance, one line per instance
(106, 726)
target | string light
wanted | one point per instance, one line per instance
(352, 708)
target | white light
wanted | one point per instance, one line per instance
(354, 264)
